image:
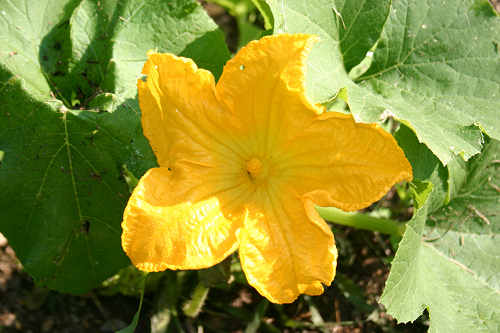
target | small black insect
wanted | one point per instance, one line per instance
(85, 227)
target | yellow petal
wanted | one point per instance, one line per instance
(345, 164)
(286, 249)
(180, 113)
(252, 145)
(263, 85)
(335, 161)
(163, 229)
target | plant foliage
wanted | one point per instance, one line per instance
(71, 142)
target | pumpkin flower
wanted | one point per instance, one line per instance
(242, 164)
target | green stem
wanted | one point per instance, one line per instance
(193, 306)
(361, 221)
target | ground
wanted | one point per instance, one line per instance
(349, 305)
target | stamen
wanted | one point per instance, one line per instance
(254, 166)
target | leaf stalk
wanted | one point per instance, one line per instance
(362, 221)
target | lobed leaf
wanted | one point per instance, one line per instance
(437, 69)
(63, 192)
(448, 261)
(65, 173)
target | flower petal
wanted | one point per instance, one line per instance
(161, 229)
(180, 112)
(338, 162)
(286, 248)
(263, 85)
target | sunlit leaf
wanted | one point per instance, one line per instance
(437, 68)
(448, 261)
(347, 30)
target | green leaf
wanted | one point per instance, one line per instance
(448, 262)
(457, 175)
(325, 72)
(244, 11)
(62, 171)
(217, 275)
(254, 324)
(63, 192)
(180, 27)
(135, 320)
(92, 28)
(165, 311)
(434, 66)
(360, 24)
(247, 31)
(426, 166)
(79, 49)
(353, 293)
(32, 43)
(437, 69)
(344, 35)
(266, 13)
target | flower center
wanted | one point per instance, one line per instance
(254, 166)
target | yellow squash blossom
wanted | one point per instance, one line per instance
(242, 164)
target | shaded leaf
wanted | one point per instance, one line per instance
(253, 325)
(426, 166)
(92, 28)
(63, 193)
(63, 187)
(265, 11)
(135, 320)
(360, 24)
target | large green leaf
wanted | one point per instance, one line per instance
(448, 261)
(437, 68)
(347, 30)
(63, 172)
(63, 192)
(111, 39)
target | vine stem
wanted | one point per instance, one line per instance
(362, 221)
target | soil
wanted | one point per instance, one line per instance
(27, 308)
(496, 5)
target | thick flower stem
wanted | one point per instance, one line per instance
(361, 221)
